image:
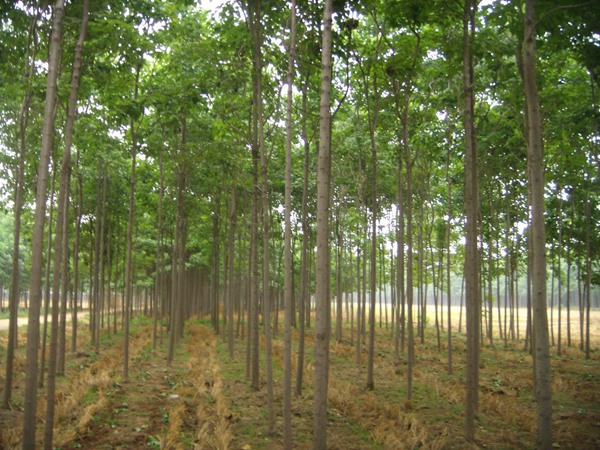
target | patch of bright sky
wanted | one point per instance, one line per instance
(212, 5)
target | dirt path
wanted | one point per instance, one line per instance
(176, 406)
(22, 321)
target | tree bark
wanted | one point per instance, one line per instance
(588, 274)
(304, 292)
(448, 241)
(15, 291)
(129, 237)
(47, 288)
(323, 269)
(373, 115)
(288, 268)
(33, 329)
(158, 277)
(231, 274)
(472, 261)
(542, 374)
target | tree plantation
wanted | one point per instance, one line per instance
(343, 224)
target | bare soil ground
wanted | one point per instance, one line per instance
(203, 400)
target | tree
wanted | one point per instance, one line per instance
(373, 116)
(323, 269)
(129, 237)
(15, 288)
(473, 291)
(288, 283)
(33, 329)
(543, 392)
(60, 242)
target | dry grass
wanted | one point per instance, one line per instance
(71, 416)
(212, 413)
(210, 406)
(171, 439)
(97, 377)
(435, 416)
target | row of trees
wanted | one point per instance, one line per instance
(394, 137)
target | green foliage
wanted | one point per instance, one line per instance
(191, 108)
(6, 254)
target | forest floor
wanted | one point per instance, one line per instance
(203, 399)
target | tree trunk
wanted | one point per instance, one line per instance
(158, 277)
(288, 269)
(56, 362)
(231, 280)
(48, 263)
(33, 329)
(58, 248)
(264, 189)
(304, 291)
(338, 277)
(14, 290)
(358, 347)
(448, 240)
(178, 266)
(542, 381)
(322, 278)
(406, 211)
(473, 292)
(129, 237)
(373, 115)
(78, 215)
(400, 290)
(62, 334)
(559, 269)
(588, 274)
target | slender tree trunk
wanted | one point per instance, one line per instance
(129, 237)
(473, 291)
(543, 392)
(559, 269)
(52, 357)
(288, 269)
(231, 281)
(490, 274)
(33, 329)
(402, 111)
(64, 290)
(580, 301)
(178, 267)
(359, 333)
(338, 296)
(253, 9)
(569, 263)
(552, 294)
(264, 189)
(158, 277)
(448, 240)
(436, 300)
(60, 250)
(400, 257)
(15, 290)
(95, 278)
(99, 270)
(588, 274)
(304, 290)
(322, 279)
(175, 295)
(47, 288)
(78, 216)
(373, 115)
